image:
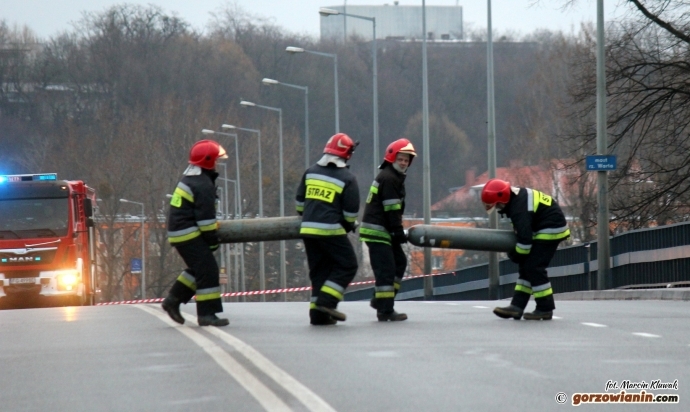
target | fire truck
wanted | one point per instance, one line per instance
(47, 241)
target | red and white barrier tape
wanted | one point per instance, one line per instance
(258, 292)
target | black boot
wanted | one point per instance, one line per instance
(171, 304)
(212, 320)
(318, 318)
(391, 316)
(539, 315)
(374, 304)
(335, 314)
(510, 311)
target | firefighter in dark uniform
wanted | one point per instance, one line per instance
(193, 231)
(539, 225)
(328, 200)
(382, 228)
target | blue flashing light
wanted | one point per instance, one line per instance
(41, 177)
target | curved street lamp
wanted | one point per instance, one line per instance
(262, 265)
(283, 275)
(330, 12)
(237, 185)
(271, 82)
(143, 247)
(295, 50)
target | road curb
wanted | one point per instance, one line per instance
(639, 294)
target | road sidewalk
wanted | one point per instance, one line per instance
(627, 294)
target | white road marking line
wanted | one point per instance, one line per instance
(646, 335)
(452, 304)
(594, 325)
(384, 354)
(481, 307)
(249, 382)
(311, 400)
(557, 317)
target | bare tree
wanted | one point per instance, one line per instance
(648, 111)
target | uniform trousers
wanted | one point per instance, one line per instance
(389, 263)
(533, 278)
(201, 277)
(332, 266)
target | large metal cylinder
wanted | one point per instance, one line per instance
(259, 230)
(285, 228)
(467, 238)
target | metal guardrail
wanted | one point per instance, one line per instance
(639, 258)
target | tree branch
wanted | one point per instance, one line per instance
(661, 23)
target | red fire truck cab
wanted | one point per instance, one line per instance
(46, 240)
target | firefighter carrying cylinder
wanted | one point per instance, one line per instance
(287, 228)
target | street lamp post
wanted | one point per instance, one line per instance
(262, 264)
(226, 214)
(283, 276)
(603, 241)
(237, 185)
(269, 82)
(226, 248)
(494, 274)
(330, 12)
(239, 250)
(293, 50)
(224, 266)
(143, 247)
(426, 166)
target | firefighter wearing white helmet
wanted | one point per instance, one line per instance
(192, 231)
(539, 225)
(328, 200)
(382, 228)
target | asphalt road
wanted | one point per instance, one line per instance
(449, 356)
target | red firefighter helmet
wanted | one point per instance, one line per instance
(399, 146)
(340, 145)
(495, 191)
(204, 154)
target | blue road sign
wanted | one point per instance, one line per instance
(135, 265)
(601, 162)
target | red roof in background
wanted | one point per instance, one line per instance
(551, 178)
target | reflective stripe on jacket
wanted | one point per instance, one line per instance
(535, 216)
(193, 209)
(385, 206)
(328, 200)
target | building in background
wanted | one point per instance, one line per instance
(394, 22)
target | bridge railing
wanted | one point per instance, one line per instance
(644, 256)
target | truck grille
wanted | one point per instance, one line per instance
(32, 258)
(20, 274)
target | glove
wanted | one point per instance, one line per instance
(211, 238)
(515, 257)
(349, 226)
(399, 236)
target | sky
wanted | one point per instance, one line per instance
(49, 17)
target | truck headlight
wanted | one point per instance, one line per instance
(67, 280)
